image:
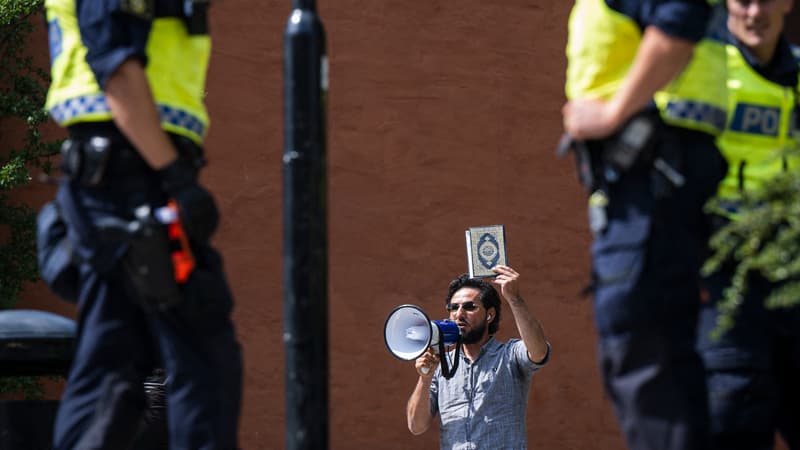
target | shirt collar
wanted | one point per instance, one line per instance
(783, 67)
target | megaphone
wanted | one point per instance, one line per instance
(409, 332)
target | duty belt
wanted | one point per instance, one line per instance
(99, 159)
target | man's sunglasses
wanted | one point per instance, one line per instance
(468, 306)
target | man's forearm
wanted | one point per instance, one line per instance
(418, 410)
(660, 58)
(530, 330)
(135, 114)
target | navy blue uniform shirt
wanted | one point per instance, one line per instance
(686, 19)
(111, 36)
(783, 67)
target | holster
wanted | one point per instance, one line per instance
(602, 162)
(633, 144)
(86, 161)
(97, 155)
(148, 267)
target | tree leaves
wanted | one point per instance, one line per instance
(763, 238)
(23, 88)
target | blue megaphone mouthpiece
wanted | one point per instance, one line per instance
(448, 331)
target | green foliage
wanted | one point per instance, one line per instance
(18, 252)
(29, 387)
(23, 87)
(22, 94)
(765, 240)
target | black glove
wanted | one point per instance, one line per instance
(198, 212)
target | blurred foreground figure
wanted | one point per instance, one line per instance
(647, 96)
(128, 82)
(752, 370)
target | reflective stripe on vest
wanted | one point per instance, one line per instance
(88, 108)
(691, 113)
(698, 98)
(760, 128)
(176, 71)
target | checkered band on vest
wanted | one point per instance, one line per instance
(74, 108)
(79, 108)
(696, 112)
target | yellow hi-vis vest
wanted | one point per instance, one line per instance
(601, 48)
(176, 71)
(761, 125)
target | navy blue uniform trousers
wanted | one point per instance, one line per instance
(647, 296)
(753, 369)
(120, 342)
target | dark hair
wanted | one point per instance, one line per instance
(487, 295)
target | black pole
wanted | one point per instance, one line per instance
(305, 247)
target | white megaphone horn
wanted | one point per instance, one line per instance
(409, 332)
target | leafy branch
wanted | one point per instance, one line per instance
(763, 240)
(23, 88)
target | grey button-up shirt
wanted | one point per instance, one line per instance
(483, 405)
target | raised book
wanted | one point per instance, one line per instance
(486, 248)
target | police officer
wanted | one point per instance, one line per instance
(646, 97)
(128, 84)
(752, 370)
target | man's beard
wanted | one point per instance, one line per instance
(474, 335)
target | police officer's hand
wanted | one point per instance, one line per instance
(590, 119)
(197, 209)
(427, 363)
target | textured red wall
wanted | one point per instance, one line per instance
(442, 115)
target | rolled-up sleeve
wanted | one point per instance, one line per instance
(519, 354)
(110, 36)
(686, 19)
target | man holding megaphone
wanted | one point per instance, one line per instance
(482, 405)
